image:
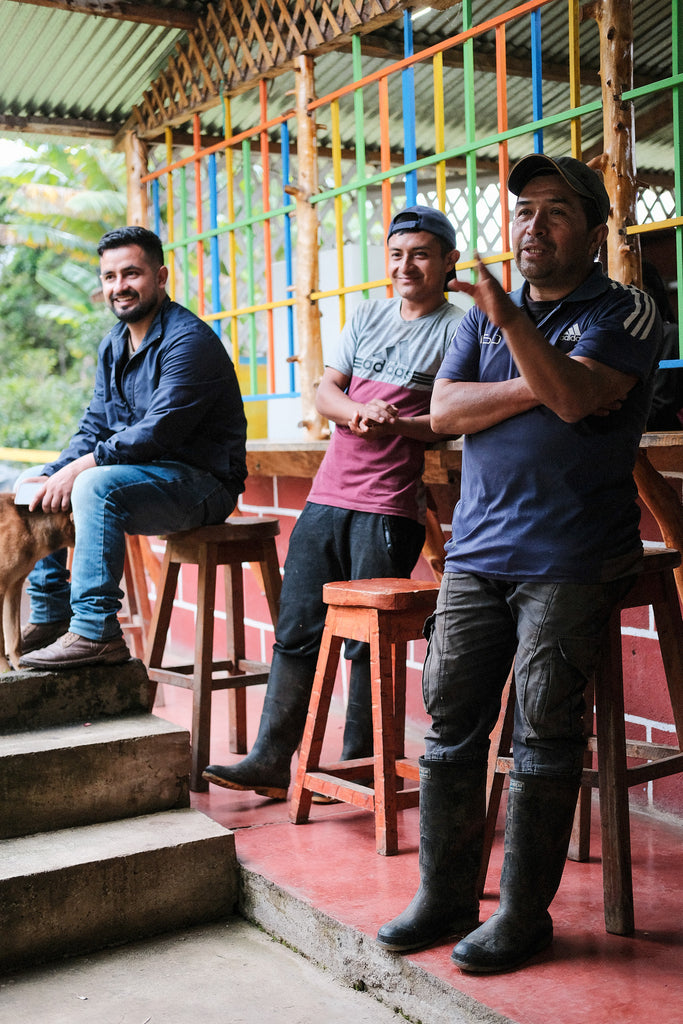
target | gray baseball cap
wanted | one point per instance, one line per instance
(579, 176)
(424, 218)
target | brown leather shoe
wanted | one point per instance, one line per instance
(36, 635)
(73, 651)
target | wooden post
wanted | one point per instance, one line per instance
(617, 163)
(310, 354)
(136, 166)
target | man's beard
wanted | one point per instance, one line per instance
(133, 314)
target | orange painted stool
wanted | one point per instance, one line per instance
(607, 744)
(239, 539)
(385, 613)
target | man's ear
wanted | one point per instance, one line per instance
(598, 235)
(451, 259)
(162, 277)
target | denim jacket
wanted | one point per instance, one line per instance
(176, 399)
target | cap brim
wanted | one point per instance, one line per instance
(527, 167)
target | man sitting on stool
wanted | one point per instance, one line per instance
(161, 448)
(365, 512)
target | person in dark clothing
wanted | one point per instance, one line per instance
(160, 448)
(550, 387)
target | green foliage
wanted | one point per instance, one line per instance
(40, 408)
(55, 204)
(63, 198)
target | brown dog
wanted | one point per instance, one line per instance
(25, 538)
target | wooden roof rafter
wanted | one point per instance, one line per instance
(238, 42)
(123, 10)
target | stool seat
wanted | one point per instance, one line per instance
(607, 743)
(240, 539)
(386, 614)
(383, 594)
(239, 528)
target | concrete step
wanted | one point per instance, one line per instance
(72, 775)
(82, 889)
(37, 700)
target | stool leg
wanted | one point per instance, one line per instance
(203, 668)
(272, 580)
(316, 721)
(580, 842)
(400, 654)
(386, 823)
(161, 618)
(614, 813)
(136, 623)
(234, 625)
(668, 621)
(500, 746)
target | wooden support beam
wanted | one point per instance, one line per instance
(136, 167)
(617, 162)
(72, 128)
(146, 14)
(310, 355)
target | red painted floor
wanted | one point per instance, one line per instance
(588, 976)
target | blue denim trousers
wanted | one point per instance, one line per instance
(108, 502)
(551, 631)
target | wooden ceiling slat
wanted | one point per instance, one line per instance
(258, 40)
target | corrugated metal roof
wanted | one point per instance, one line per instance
(64, 65)
(60, 64)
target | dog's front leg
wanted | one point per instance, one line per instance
(4, 663)
(11, 616)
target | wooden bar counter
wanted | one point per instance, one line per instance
(302, 458)
(660, 453)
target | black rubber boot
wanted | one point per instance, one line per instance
(266, 768)
(538, 827)
(452, 813)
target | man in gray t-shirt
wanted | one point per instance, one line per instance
(365, 513)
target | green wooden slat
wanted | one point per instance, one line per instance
(677, 101)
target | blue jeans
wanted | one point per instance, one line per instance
(552, 632)
(108, 502)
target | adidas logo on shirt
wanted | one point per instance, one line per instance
(570, 337)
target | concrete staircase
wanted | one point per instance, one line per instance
(98, 844)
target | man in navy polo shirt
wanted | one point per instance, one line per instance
(550, 387)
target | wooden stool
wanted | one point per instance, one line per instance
(239, 539)
(613, 775)
(386, 613)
